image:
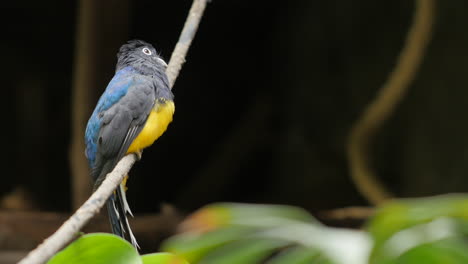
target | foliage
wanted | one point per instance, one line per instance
(107, 248)
(407, 231)
(424, 230)
(241, 233)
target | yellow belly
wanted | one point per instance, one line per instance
(156, 124)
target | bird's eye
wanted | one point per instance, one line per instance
(146, 51)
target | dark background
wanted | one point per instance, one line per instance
(264, 103)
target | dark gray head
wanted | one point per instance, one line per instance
(142, 56)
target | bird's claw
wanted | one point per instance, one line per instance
(138, 154)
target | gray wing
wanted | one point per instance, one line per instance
(122, 123)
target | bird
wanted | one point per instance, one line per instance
(133, 112)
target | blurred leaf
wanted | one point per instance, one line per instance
(250, 250)
(235, 214)
(97, 248)
(245, 213)
(251, 233)
(231, 221)
(353, 246)
(193, 246)
(404, 213)
(299, 255)
(404, 224)
(408, 231)
(162, 258)
(446, 251)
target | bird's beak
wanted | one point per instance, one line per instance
(162, 61)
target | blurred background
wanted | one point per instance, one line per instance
(264, 103)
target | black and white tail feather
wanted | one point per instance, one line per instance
(117, 205)
(117, 209)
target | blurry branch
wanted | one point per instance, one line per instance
(93, 38)
(385, 102)
(354, 212)
(83, 80)
(91, 207)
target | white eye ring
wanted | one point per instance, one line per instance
(146, 51)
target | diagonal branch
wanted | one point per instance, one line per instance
(69, 230)
(391, 93)
(185, 39)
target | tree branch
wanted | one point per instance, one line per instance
(185, 39)
(69, 230)
(387, 99)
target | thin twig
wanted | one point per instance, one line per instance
(69, 230)
(385, 102)
(353, 213)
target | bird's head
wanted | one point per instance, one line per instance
(140, 55)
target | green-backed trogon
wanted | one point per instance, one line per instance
(134, 111)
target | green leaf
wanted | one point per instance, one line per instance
(262, 215)
(162, 258)
(446, 251)
(252, 250)
(404, 213)
(404, 224)
(220, 215)
(339, 245)
(299, 255)
(246, 233)
(97, 248)
(193, 246)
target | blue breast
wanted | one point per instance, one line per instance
(116, 89)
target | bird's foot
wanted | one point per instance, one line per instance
(138, 154)
(124, 182)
